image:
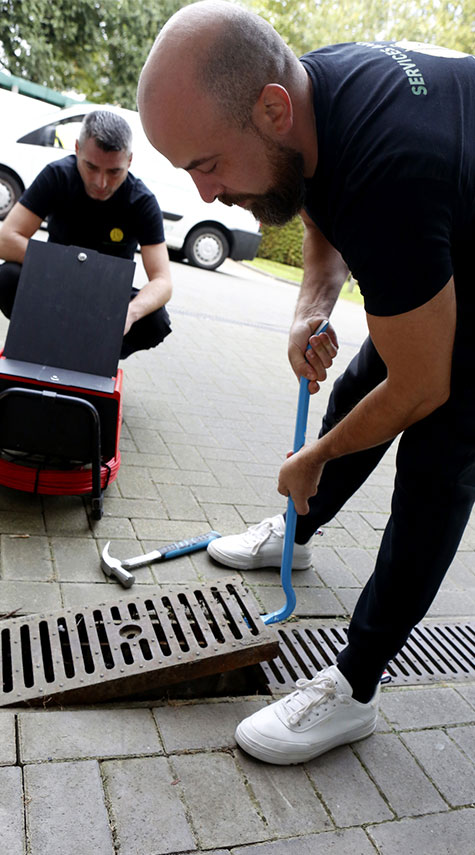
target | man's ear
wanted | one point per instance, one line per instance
(273, 111)
(76, 147)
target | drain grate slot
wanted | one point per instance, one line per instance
(134, 645)
(433, 653)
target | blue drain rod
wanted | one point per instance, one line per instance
(291, 516)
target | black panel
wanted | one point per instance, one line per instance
(68, 313)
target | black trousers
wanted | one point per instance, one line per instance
(434, 492)
(144, 334)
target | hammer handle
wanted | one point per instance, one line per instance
(172, 550)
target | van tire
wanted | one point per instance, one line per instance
(10, 192)
(206, 247)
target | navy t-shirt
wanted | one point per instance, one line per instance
(394, 188)
(115, 226)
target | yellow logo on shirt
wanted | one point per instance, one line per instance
(117, 235)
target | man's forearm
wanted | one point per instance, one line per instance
(12, 246)
(151, 297)
(324, 275)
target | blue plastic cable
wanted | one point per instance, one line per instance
(291, 516)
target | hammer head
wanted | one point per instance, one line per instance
(112, 567)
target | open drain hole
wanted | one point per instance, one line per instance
(131, 630)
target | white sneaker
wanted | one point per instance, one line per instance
(260, 546)
(320, 715)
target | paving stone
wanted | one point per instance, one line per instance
(7, 739)
(109, 527)
(26, 558)
(360, 561)
(467, 692)
(218, 821)
(338, 537)
(148, 461)
(363, 533)
(311, 602)
(350, 842)
(17, 500)
(465, 738)
(202, 726)
(135, 482)
(146, 508)
(348, 598)
(224, 518)
(451, 604)
(444, 763)
(428, 707)
(300, 578)
(65, 809)
(11, 811)
(443, 834)
(29, 597)
(348, 792)
(398, 776)
(286, 798)
(16, 522)
(331, 568)
(76, 595)
(76, 559)
(189, 457)
(87, 733)
(148, 440)
(66, 515)
(180, 502)
(170, 530)
(184, 477)
(145, 803)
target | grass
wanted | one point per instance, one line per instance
(294, 274)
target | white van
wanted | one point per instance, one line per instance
(35, 134)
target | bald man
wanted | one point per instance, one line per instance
(352, 136)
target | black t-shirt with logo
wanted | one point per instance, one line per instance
(394, 188)
(115, 226)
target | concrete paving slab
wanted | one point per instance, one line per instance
(221, 808)
(443, 834)
(443, 762)
(11, 811)
(26, 558)
(400, 779)
(202, 726)
(350, 842)
(465, 739)
(29, 597)
(65, 809)
(66, 734)
(8, 753)
(348, 792)
(146, 808)
(76, 559)
(425, 707)
(285, 797)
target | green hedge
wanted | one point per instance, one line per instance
(283, 243)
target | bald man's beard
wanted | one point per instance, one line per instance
(286, 196)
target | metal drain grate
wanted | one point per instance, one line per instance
(136, 644)
(433, 653)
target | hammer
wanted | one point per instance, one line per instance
(120, 569)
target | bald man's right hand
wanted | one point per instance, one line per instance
(312, 363)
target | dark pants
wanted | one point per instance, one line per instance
(433, 496)
(144, 334)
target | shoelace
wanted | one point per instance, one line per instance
(258, 534)
(310, 694)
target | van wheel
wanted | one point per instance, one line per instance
(10, 192)
(206, 247)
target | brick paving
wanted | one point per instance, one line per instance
(208, 417)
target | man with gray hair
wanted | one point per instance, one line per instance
(374, 141)
(91, 200)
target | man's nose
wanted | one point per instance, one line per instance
(208, 187)
(101, 180)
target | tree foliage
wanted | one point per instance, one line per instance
(96, 47)
(309, 24)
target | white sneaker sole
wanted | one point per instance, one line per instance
(282, 757)
(236, 562)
